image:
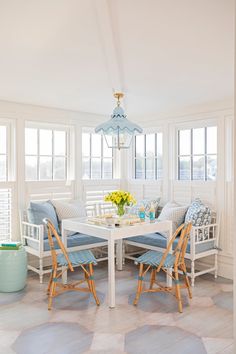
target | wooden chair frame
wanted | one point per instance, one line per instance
(56, 288)
(179, 265)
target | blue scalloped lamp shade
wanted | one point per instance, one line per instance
(118, 131)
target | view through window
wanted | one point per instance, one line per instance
(45, 154)
(197, 154)
(148, 156)
(97, 158)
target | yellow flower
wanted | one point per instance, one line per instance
(120, 198)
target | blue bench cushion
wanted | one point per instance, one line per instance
(72, 241)
(159, 240)
(38, 211)
(77, 258)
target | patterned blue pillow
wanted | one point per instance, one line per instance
(134, 210)
(38, 211)
(198, 213)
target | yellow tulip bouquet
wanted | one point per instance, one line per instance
(120, 199)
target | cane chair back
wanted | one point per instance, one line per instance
(84, 259)
(171, 262)
(52, 232)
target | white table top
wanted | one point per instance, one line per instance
(83, 226)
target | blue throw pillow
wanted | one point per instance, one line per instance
(38, 211)
(199, 214)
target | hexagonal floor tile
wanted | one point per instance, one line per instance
(11, 298)
(73, 300)
(159, 302)
(56, 338)
(224, 300)
(163, 340)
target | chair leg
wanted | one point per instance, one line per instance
(177, 290)
(49, 283)
(52, 290)
(187, 281)
(86, 277)
(140, 283)
(92, 284)
(152, 278)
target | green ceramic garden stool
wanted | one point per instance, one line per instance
(13, 270)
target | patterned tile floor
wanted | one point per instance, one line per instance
(76, 325)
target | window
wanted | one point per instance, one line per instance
(197, 154)
(148, 156)
(3, 153)
(97, 157)
(45, 154)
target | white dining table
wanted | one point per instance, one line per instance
(113, 235)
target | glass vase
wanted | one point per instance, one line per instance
(120, 209)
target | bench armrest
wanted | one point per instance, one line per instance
(32, 232)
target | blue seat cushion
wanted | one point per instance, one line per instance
(159, 240)
(38, 211)
(153, 258)
(72, 241)
(77, 258)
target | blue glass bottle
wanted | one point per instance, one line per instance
(152, 214)
(142, 213)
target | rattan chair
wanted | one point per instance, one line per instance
(171, 263)
(65, 261)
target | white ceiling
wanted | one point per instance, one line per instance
(165, 54)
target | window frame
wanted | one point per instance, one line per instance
(190, 126)
(8, 185)
(154, 131)
(10, 149)
(90, 131)
(69, 166)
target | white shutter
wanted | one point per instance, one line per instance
(5, 214)
(94, 193)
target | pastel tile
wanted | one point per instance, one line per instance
(216, 345)
(11, 298)
(224, 300)
(159, 302)
(76, 301)
(226, 287)
(58, 338)
(160, 319)
(21, 316)
(7, 338)
(108, 342)
(201, 301)
(163, 340)
(205, 326)
(213, 322)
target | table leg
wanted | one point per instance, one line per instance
(111, 273)
(64, 241)
(119, 254)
